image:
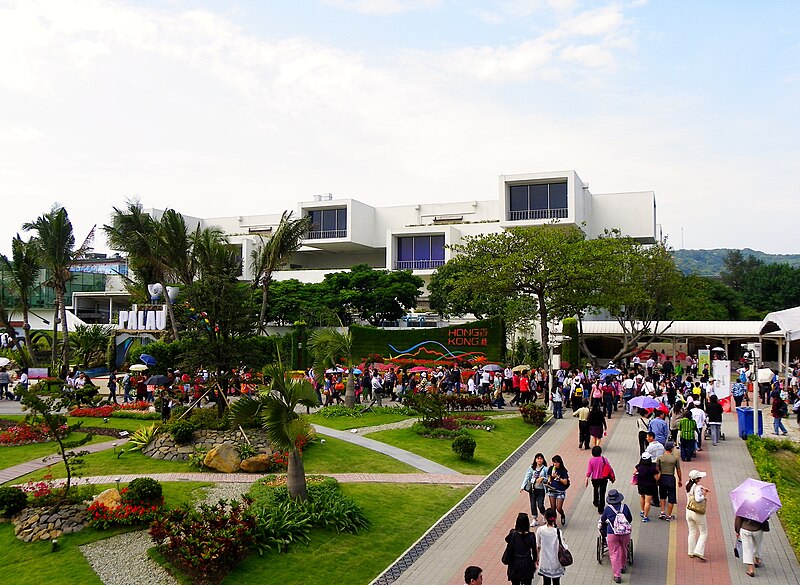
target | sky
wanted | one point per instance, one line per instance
(223, 108)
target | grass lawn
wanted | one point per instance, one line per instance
(492, 447)
(779, 462)
(106, 463)
(125, 424)
(337, 456)
(14, 455)
(400, 513)
(33, 563)
(344, 423)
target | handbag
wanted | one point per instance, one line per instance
(694, 505)
(564, 556)
(635, 478)
(528, 487)
(737, 549)
(507, 554)
(608, 472)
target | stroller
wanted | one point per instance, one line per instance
(602, 546)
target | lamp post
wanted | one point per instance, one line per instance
(554, 342)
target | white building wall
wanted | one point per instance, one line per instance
(633, 213)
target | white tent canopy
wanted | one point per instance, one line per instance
(786, 322)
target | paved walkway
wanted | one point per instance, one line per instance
(474, 533)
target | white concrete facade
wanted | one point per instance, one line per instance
(350, 232)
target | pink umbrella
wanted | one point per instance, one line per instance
(417, 369)
(756, 500)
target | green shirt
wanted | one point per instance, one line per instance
(687, 428)
(668, 463)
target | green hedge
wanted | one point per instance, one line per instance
(371, 340)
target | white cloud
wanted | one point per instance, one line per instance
(383, 7)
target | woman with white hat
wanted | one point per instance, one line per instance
(696, 514)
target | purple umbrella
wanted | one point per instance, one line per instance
(644, 402)
(756, 500)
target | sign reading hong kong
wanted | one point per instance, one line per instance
(467, 337)
(144, 318)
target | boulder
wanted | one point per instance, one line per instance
(257, 463)
(224, 458)
(110, 498)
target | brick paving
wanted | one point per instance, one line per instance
(660, 548)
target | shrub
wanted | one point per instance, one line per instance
(143, 490)
(142, 437)
(12, 501)
(282, 524)
(207, 543)
(181, 431)
(96, 411)
(246, 450)
(464, 446)
(206, 418)
(436, 432)
(197, 458)
(136, 415)
(533, 414)
(23, 434)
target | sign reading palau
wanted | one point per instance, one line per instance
(145, 318)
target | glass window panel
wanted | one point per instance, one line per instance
(329, 219)
(316, 220)
(405, 249)
(437, 247)
(422, 248)
(518, 198)
(538, 196)
(558, 196)
(341, 219)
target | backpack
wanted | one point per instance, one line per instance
(597, 393)
(783, 409)
(620, 525)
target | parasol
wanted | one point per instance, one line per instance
(610, 372)
(416, 369)
(138, 368)
(147, 359)
(644, 402)
(492, 368)
(756, 500)
(521, 368)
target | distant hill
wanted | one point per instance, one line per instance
(709, 262)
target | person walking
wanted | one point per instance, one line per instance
(668, 466)
(714, 416)
(534, 483)
(642, 425)
(696, 515)
(779, 410)
(522, 548)
(597, 425)
(647, 484)
(599, 470)
(583, 424)
(687, 429)
(548, 537)
(700, 418)
(557, 485)
(557, 399)
(616, 523)
(751, 533)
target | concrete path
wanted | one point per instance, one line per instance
(472, 533)
(407, 457)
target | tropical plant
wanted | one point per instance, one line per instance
(273, 254)
(330, 348)
(24, 268)
(276, 411)
(90, 343)
(55, 245)
(142, 437)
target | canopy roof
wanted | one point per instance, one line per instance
(786, 322)
(735, 329)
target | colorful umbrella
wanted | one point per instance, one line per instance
(644, 402)
(756, 500)
(336, 370)
(416, 369)
(147, 359)
(492, 368)
(610, 372)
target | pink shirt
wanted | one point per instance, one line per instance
(595, 468)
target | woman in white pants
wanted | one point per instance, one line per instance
(696, 518)
(751, 533)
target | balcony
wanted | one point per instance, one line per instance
(417, 264)
(531, 214)
(326, 234)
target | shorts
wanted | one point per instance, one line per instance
(648, 490)
(666, 489)
(557, 494)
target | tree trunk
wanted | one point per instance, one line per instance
(543, 315)
(262, 318)
(26, 328)
(64, 332)
(350, 390)
(296, 477)
(54, 340)
(171, 314)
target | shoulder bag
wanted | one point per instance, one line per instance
(694, 505)
(608, 472)
(564, 556)
(508, 554)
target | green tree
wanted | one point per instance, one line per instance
(275, 409)
(55, 244)
(736, 268)
(772, 287)
(24, 269)
(273, 254)
(90, 343)
(570, 349)
(374, 295)
(292, 301)
(332, 348)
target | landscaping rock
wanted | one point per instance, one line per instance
(257, 463)
(33, 524)
(223, 458)
(110, 498)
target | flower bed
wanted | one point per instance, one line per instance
(109, 409)
(131, 511)
(25, 434)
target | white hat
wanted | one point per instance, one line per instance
(696, 474)
(647, 455)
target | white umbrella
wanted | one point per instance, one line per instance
(138, 368)
(765, 375)
(4, 361)
(717, 348)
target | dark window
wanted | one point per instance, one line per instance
(341, 219)
(437, 248)
(422, 248)
(405, 248)
(419, 252)
(328, 223)
(537, 201)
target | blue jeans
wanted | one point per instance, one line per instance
(687, 449)
(557, 409)
(777, 424)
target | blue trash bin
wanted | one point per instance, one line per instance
(745, 416)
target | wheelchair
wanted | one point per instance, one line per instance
(602, 549)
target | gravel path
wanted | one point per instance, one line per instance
(135, 566)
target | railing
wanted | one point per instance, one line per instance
(417, 264)
(326, 234)
(528, 214)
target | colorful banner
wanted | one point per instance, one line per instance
(703, 359)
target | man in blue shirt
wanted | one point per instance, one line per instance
(659, 427)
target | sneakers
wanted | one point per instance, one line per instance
(536, 523)
(662, 516)
(645, 519)
(563, 520)
(672, 517)
(641, 514)
(617, 579)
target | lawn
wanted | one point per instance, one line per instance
(34, 563)
(344, 423)
(336, 456)
(400, 513)
(492, 447)
(124, 424)
(14, 455)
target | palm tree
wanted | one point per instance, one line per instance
(275, 253)
(275, 409)
(24, 273)
(55, 244)
(330, 347)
